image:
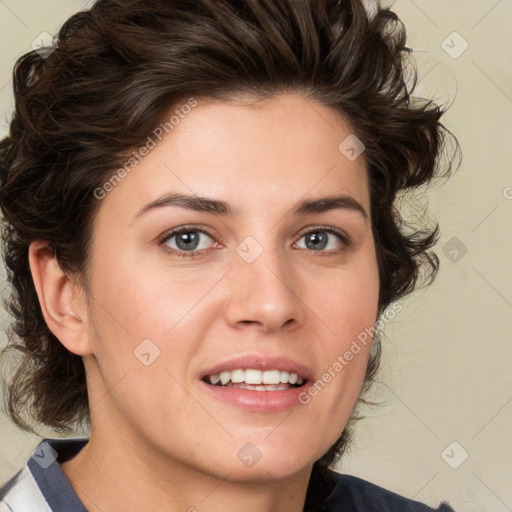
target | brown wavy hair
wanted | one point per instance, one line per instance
(112, 75)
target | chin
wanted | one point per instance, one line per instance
(264, 461)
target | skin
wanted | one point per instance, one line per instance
(158, 440)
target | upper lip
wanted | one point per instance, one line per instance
(260, 362)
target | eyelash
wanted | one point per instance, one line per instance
(201, 229)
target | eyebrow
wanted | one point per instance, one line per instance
(218, 207)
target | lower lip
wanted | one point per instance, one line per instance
(259, 401)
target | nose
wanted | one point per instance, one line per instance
(264, 294)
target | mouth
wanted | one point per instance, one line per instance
(257, 383)
(256, 380)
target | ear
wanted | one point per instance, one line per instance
(62, 301)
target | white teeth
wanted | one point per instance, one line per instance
(263, 387)
(253, 376)
(256, 377)
(271, 377)
(237, 376)
(225, 377)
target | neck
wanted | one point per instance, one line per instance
(143, 479)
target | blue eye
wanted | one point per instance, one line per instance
(322, 239)
(186, 240)
(190, 241)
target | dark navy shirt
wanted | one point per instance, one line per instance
(42, 486)
(329, 491)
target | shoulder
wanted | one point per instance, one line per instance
(21, 492)
(41, 485)
(335, 492)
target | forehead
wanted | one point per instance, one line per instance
(271, 152)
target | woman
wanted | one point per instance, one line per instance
(199, 226)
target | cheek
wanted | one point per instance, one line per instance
(139, 302)
(349, 301)
(146, 321)
(348, 311)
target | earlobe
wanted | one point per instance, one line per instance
(62, 302)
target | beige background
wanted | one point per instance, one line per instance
(447, 354)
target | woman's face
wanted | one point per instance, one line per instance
(258, 280)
